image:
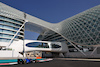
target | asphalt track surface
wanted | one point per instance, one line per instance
(61, 63)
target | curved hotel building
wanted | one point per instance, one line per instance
(80, 33)
(8, 27)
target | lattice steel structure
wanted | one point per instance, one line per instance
(81, 29)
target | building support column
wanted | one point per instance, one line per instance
(94, 50)
(78, 49)
(74, 46)
(15, 35)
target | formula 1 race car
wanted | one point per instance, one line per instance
(22, 61)
(25, 61)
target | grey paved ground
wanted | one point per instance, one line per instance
(61, 63)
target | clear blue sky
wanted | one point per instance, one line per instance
(52, 11)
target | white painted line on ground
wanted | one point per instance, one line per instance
(8, 63)
(78, 59)
(45, 60)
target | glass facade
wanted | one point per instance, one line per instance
(8, 28)
(55, 46)
(81, 29)
(38, 44)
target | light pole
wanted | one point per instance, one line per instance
(24, 35)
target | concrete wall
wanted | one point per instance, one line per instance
(9, 53)
(88, 54)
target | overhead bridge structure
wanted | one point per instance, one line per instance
(81, 32)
